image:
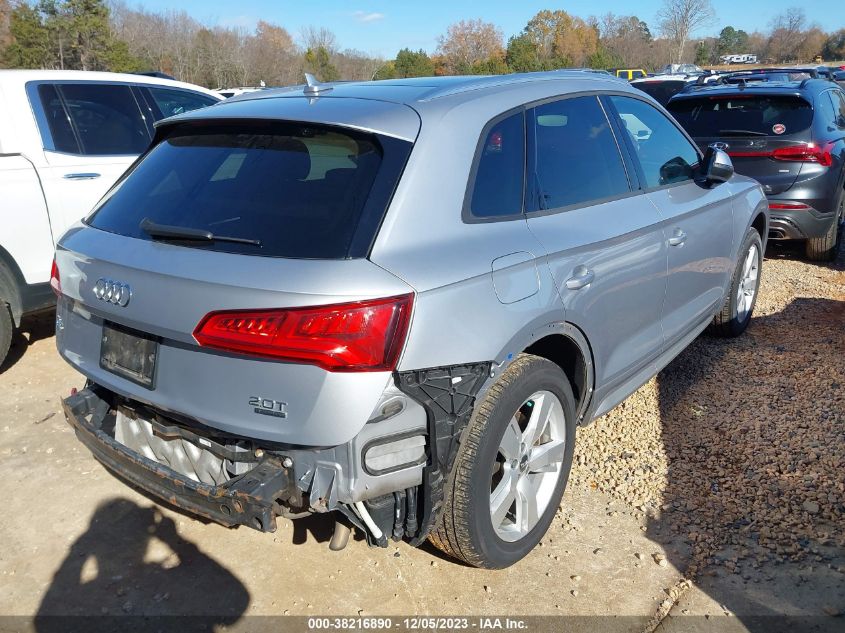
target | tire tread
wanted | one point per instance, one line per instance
(6, 329)
(451, 534)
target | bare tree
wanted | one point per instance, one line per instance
(680, 18)
(469, 42)
(316, 37)
(787, 35)
(627, 38)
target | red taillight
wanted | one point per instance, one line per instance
(806, 153)
(55, 280)
(795, 206)
(359, 336)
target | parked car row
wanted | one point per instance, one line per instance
(65, 137)
(789, 135)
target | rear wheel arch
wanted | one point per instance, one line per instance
(10, 285)
(568, 348)
(760, 224)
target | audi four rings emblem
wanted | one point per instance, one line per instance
(112, 291)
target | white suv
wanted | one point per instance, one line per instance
(65, 137)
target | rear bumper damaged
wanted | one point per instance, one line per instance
(248, 499)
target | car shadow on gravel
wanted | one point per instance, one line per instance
(132, 561)
(753, 430)
(33, 328)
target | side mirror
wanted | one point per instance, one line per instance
(716, 167)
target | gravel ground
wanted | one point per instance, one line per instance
(738, 446)
(729, 466)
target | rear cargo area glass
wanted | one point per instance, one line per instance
(757, 114)
(299, 189)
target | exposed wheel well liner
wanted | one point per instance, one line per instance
(566, 354)
(759, 225)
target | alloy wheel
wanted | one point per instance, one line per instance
(527, 466)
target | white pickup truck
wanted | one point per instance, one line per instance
(65, 138)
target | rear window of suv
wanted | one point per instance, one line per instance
(302, 191)
(736, 115)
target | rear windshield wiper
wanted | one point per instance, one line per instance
(168, 232)
(741, 133)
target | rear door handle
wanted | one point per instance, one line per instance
(582, 276)
(82, 176)
(678, 238)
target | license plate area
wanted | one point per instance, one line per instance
(129, 354)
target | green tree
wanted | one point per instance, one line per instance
(413, 64)
(318, 62)
(521, 55)
(731, 41)
(119, 60)
(79, 32)
(702, 55)
(561, 39)
(387, 70)
(604, 58)
(30, 47)
(494, 65)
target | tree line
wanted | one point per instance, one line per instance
(96, 35)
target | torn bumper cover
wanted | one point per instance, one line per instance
(247, 499)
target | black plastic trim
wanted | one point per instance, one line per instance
(448, 396)
(37, 297)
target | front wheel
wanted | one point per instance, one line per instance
(742, 296)
(512, 467)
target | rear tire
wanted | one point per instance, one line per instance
(742, 296)
(6, 329)
(511, 468)
(824, 249)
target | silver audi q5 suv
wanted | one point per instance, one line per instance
(396, 300)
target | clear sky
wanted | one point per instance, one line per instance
(382, 27)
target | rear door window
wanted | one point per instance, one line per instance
(742, 115)
(838, 98)
(500, 171)
(825, 111)
(170, 101)
(663, 152)
(94, 119)
(573, 158)
(300, 190)
(58, 122)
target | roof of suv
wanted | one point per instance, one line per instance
(18, 77)
(796, 88)
(396, 107)
(421, 89)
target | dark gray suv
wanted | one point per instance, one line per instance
(396, 300)
(789, 136)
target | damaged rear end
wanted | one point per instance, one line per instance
(239, 346)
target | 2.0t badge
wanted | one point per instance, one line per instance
(265, 406)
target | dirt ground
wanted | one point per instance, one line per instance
(713, 496)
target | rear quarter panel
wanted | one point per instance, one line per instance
(749, 202)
